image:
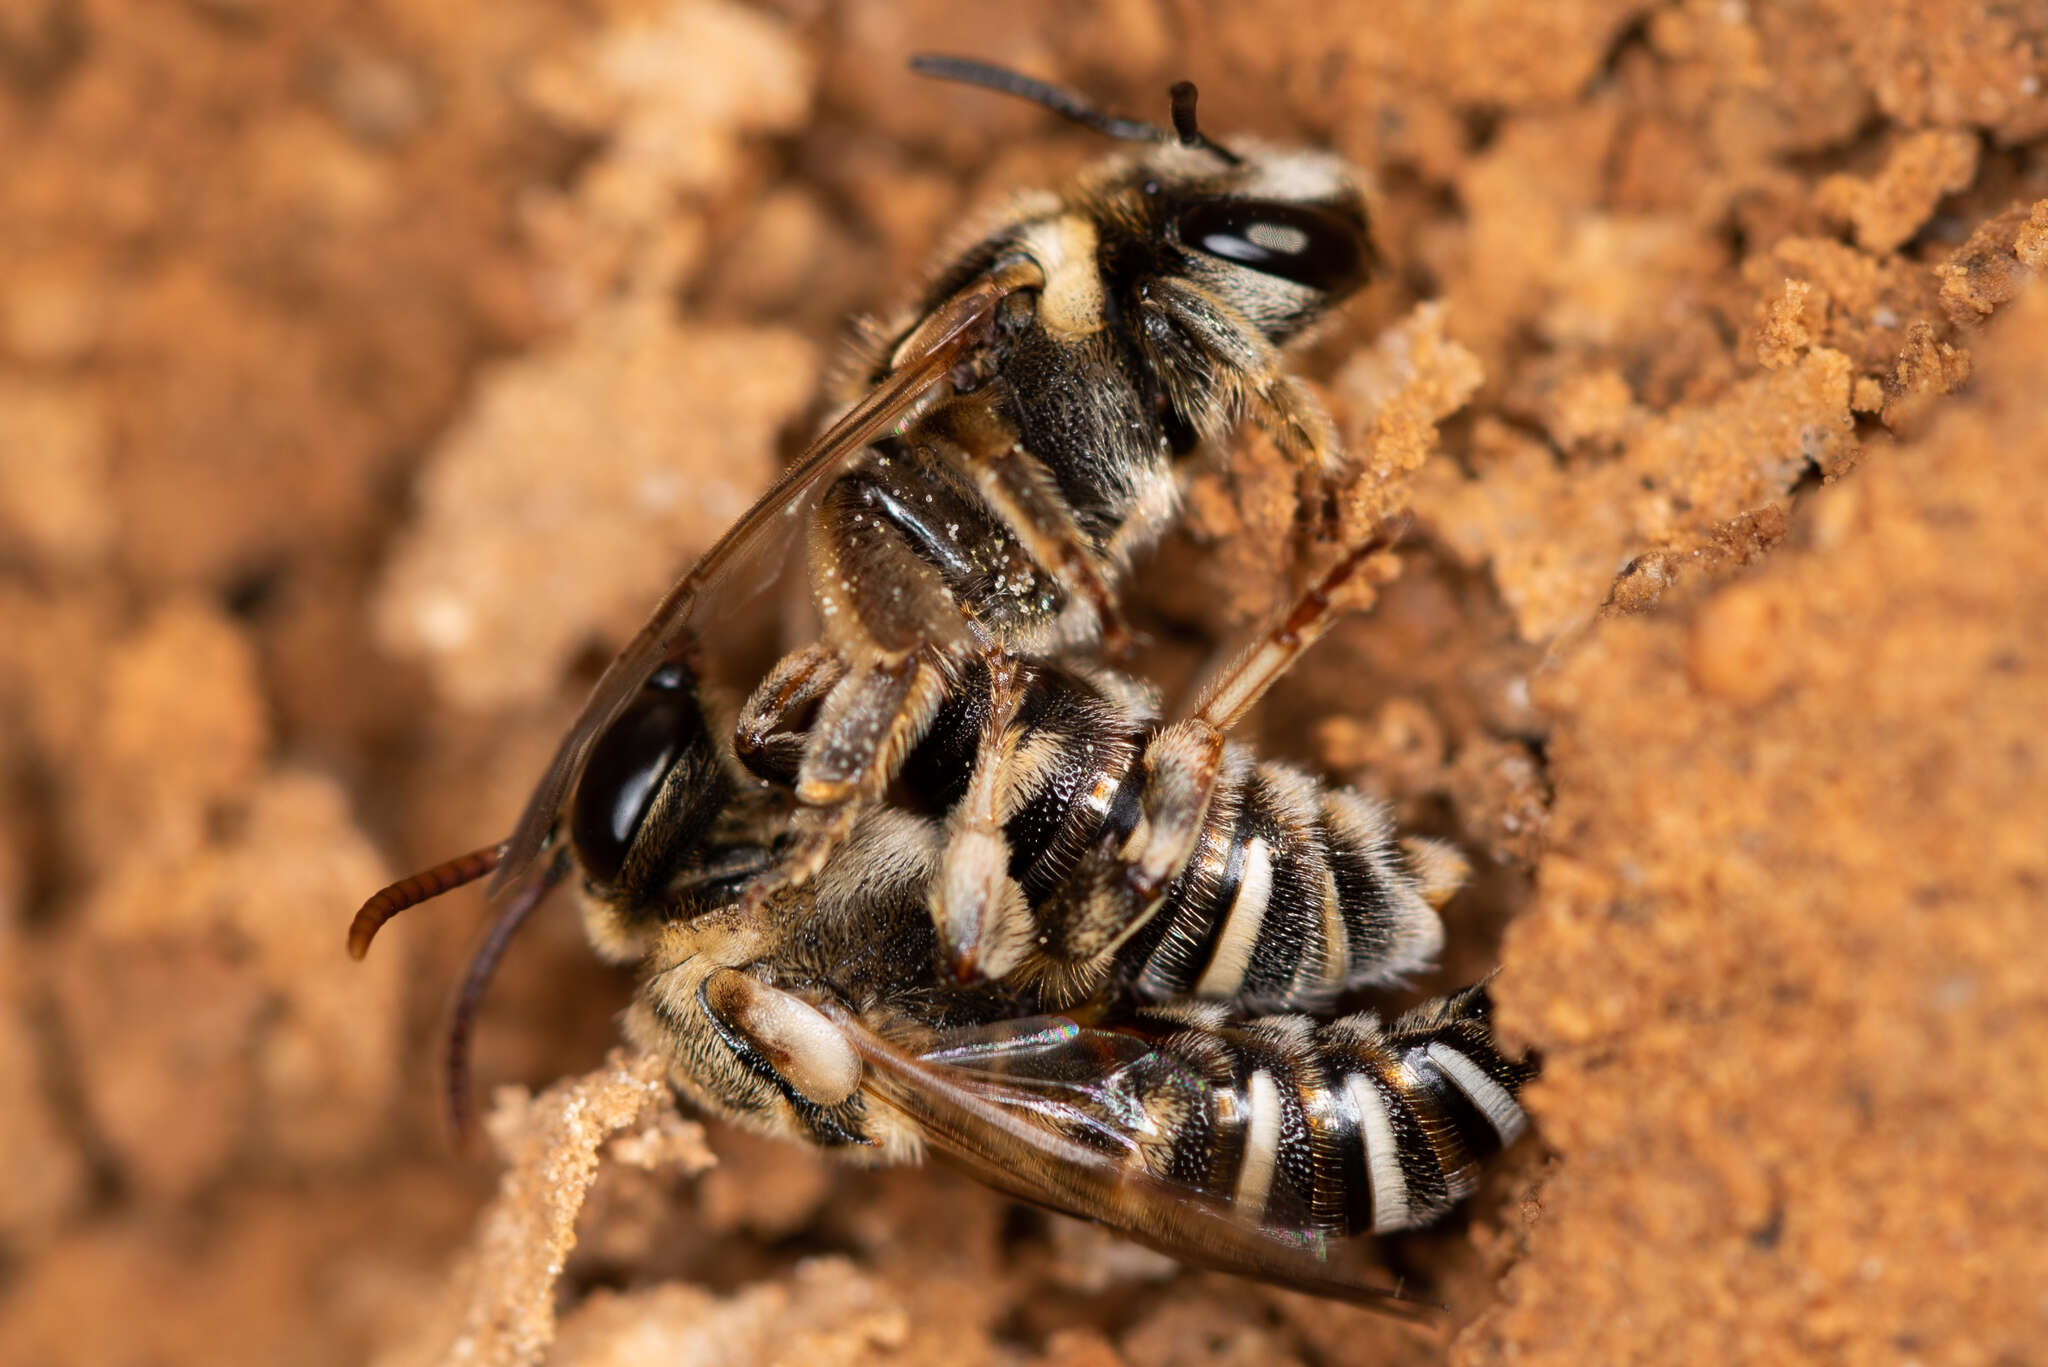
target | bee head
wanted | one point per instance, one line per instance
(1277, 235)
(650, 789)
(649, 792)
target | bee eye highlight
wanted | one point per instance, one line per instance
(1318, 248)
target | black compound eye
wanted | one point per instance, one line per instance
(1319, 248)
(627, 767)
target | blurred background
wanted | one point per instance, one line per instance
(368, 369)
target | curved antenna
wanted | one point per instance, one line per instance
(1068, 104)
(421, 887)
(1071, 104)
(481, 965)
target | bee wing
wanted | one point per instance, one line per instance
(1007, 1101)
(947, 335)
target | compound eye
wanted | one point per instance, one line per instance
(1319, 248)
(627, 767)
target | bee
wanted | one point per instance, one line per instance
(1178, 1078)
(1230, 1139)
(1009, 445)
(1091, 851)
(1244, 1144)
(1096, 972)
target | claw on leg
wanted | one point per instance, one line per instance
(866, 725)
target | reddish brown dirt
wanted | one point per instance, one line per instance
(365, 371)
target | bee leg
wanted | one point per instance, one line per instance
(1021, 490)
(1115, 897)
(775, 725)
(984, 926)
(1243, 376)
(1227, 696)
(1297, 423)
(1182, 763)
(866, 725)
(889, 624)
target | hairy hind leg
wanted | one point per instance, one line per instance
(1183, 761)
(1112, 894)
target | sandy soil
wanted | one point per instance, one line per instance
(367, 370)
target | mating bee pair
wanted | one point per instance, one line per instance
(950, 883)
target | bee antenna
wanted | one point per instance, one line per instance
(421, 887)
(482, 965)
(1182, 98)
(1066, 103)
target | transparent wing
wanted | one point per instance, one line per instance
(1037, 1108)
(743, 562)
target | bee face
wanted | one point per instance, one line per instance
(1277, 237)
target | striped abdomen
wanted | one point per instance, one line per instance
(1350, 1126)
(1294, 893)
(1344, 1127)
